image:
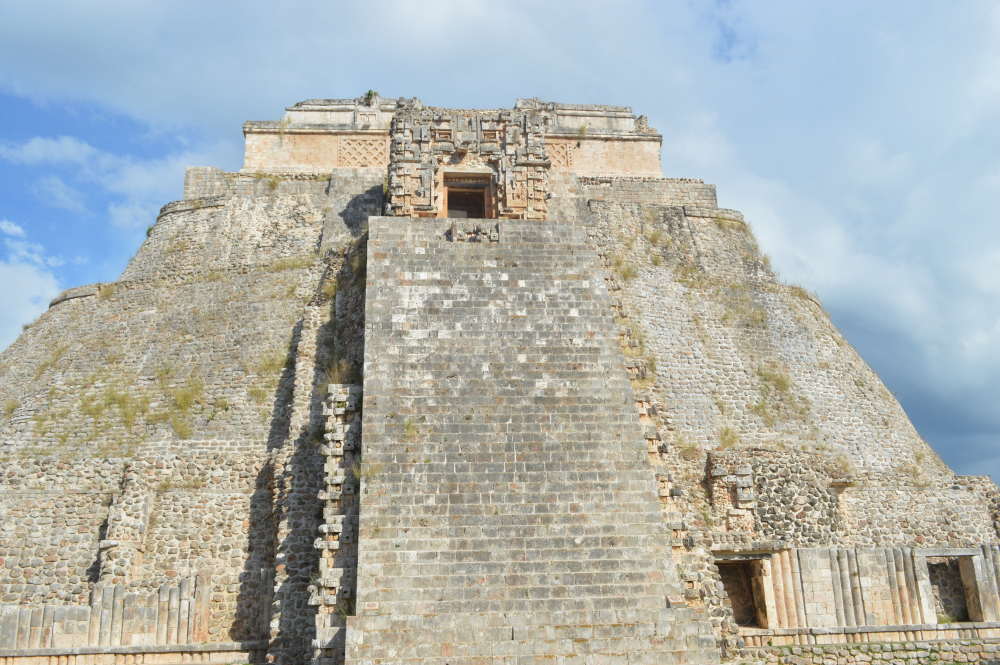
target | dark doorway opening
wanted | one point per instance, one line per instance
(466, 203)
(951, 593)
(468, 195)
(738, 582)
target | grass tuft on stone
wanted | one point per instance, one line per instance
(728, 437)
(55, 355)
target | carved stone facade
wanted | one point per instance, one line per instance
(516, 146)
(504, 148)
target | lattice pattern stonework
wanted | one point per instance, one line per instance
(560, 154)
(361, 152)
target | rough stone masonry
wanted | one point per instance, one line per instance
(463, 387)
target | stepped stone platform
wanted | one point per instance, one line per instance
(508, 513)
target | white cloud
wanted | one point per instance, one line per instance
(139, 186)
(52, 191)
(10, 228)
(45, 150)
(23, 251)
(27, 292)
(131, 215)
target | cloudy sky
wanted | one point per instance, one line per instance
(861, 139)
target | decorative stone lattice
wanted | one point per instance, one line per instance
(364, 152)
(561, 154)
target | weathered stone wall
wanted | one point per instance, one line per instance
(587, 154)
(914, 652)
(315, 151)
(650, 190)
(738, 357)
(160, 439)
(317, 136)
(887, 511)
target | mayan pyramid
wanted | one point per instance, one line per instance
(468, 387)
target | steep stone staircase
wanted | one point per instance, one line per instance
(508, 513)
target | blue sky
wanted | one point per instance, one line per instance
(860, 139)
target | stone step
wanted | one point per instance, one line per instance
(412, 569)
(510, 491)
(393, 555)
(430, 605)
(540, 545)
(631, 632)
(496, 507)
(479, 585)
(478, 523)
(521, 598)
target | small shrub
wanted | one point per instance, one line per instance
(366, 471)
(843, 466)
(342, 371)
(290, 263)
(9, 407)
(915, 473)
(258, 394)
(130, 408)
(270, 363)
(774, 378)
(777, 402)
(626, 271)
(656, 259)
(329, 289)
(728, 224)
(270, 180)
(105, 291)
(690, 275)
(178, 245)
(181, 426)
(163, 374)
(689, 452)
(719, 404)
(172, 484)
(55, 355)
(654, 237)
(728, 438)
(191, 393)
(800, 292)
